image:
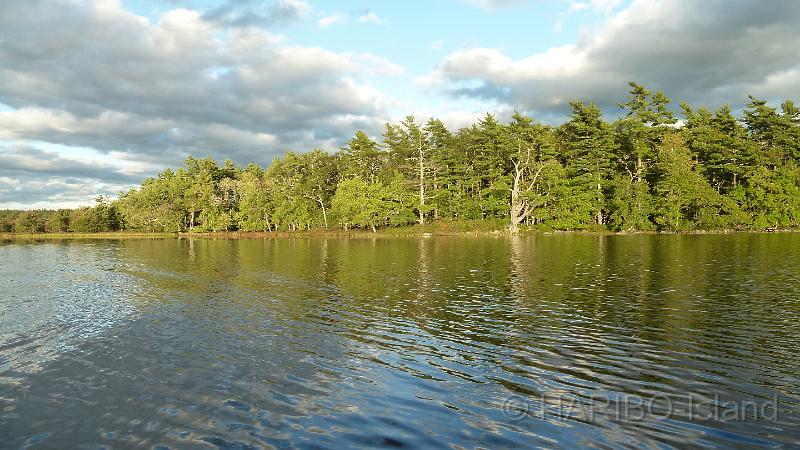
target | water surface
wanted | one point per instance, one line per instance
(544, 341)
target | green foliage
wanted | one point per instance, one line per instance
(630, 204)
(103, 217)
(361, 157)
(365, 204)
(29, 222)
(588, 149)
(645, 171)
(357, 203)
(721, 145)
(772, 197)
(684, 199)
(59, 221)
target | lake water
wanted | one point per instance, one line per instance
(446, 342)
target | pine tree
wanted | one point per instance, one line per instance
(534, 165)
(588, 150)
(362, 158)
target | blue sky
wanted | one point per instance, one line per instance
(96, 95)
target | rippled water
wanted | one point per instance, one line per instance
(548, 341)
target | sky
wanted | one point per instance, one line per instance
(97, 95)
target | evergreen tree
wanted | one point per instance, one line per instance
(439, 141)
(721, 146)
(362, 158)
(684, 198)
(644, 172)
(588, 149)
(535, 166)
(638, 133)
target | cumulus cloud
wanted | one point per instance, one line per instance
(22, 159)
(249, 13)
(24, 192)
(186, 82)
(35, 178)
(709, 52)
(112, 80)
(142, 92)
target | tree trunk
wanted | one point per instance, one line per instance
(421, 185)
(324, 212)
(639, 168)
(517, 205)
(599, 199)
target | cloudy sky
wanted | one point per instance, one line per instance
(97, 95)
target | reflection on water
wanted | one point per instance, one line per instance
(56, 297)
(417, 343)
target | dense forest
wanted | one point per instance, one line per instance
(644, 171)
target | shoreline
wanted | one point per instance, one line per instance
(233, 235)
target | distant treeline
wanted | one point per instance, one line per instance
(645, 171)
(101, 218)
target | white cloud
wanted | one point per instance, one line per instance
(32, 178)
(709, 52)
(370, 17)
(116, 81)
(333, 19)
(151, 91)
(241, 13)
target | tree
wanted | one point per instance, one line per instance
(685, 199)
(641, 129)
(357, 203)
(721, 146)
(588, 148)
(772, 197)
(629, 203)
(776, 134)
(638, 133)
(534, 155)
(29, 222)
(643, 172)
(318, 173)
(408, 148)
(157, 206)
(488, 168)
(439, 141)
(58, 222)
(255, 206)
(361, 158)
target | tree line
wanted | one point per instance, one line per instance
(644, 171)
(101, 218)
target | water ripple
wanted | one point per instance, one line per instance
(547, 341)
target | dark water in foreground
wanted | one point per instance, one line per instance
(551, 341)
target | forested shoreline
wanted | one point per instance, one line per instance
(646, 171)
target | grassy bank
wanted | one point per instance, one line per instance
(441, 228)
(109, 235)
(436, 228)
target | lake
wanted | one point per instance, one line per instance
(557, 341)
